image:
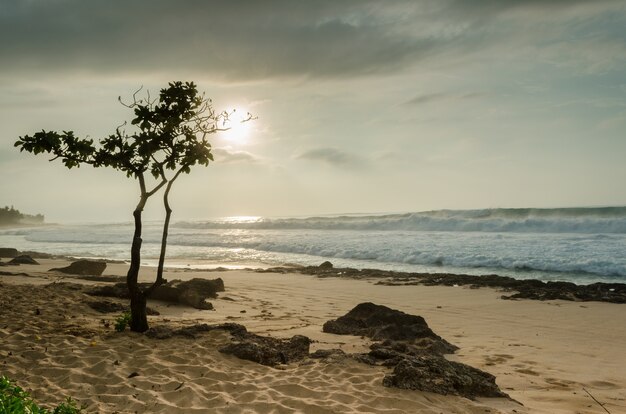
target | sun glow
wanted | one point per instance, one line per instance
(238, 127)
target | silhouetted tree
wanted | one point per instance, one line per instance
(12, 216)
(171, 138)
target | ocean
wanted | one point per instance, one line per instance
(582, 245)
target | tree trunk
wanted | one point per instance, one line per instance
(138, 314)
(139, 319)
(166, 225)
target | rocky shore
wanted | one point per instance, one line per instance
(515, 288)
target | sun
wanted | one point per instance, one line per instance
(238, 127)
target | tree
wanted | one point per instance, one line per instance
(13, 216)
(171, 137)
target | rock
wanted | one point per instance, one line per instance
(38, 255)
(245, 345)
(107, 278)
(118, 290)
(391, 353)
(438, 375)
(414, 352)
(8, 252)
(160, 332)
(190, 293)
(328, 353)
(105, 306)
(381, 323)
(193, 299)
(193, 331)
(326, 265)
(83, 268)
(602, 292)
(22, 259)
(206, 287)
(268, 351)
(527, 288)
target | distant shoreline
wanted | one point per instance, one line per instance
(22, 225)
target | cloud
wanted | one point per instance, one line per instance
(236, 39)
(239, 40)
(443, 96)
(333, 157)
(12, 96)
(226, 156)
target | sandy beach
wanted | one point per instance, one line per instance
(550, 356)
(414, 206)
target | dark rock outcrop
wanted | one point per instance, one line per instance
(438, 375)
(268, 351)
(601, 292)
(103, 278)
(8, 252)
(38, 255)
(118, 290)
(22, 259)
(328, 353)
(390, 353)
(382, 323)
(414, 352)
(193, 331)
(105, 306)
(190, 293)
(83, 268)
(326, 265)
(526, 288)
(245, 345)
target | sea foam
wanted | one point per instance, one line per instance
(581, 245)
(610, 220)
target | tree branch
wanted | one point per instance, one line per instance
(156, 188)
(599, 403)
(168, 213)
(134, 104)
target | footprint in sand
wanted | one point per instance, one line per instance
(527, 371)
(561, 383)
(603, 385)
(497, 359)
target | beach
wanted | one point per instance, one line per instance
(339, 207)
(548, 356)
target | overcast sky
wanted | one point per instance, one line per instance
(362, 106)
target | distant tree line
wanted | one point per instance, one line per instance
(9, 215)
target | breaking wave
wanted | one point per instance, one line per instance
(611, 220)
(580, 245)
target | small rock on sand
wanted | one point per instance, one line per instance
(83, 268)
(8, 252)
(23, 259)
